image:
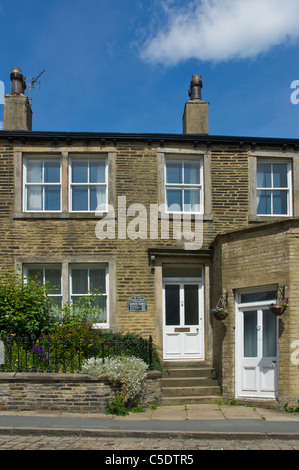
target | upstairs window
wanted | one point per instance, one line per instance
(274, 185)
(88, 185)
(42, 184)
(184, 186)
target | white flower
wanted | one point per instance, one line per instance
(129, 372)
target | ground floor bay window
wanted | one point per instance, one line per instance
(80, 285)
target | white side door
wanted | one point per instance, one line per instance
(183, 321)
(257, 353)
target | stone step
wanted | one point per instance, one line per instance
(188, 381)
(192, 372)
(190, 391)
(186, 364)
(187, 400)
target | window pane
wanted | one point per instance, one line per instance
(172, 305)
(79, 171)
(80, 198)
(280, 202)
(52, 171)
(100, 303)
(97, 171)
(258, 296)
(98, 199)
(192, 173)
(264, 175)
(191, 304)
(53, 278)
(269, 334)
(177, 271)
(192, 200)
(173, 173)
(250, 334)
(34, 198)
(52, 198)
(280, 175)
(174, 200)
(264, 202)
(57, 301)
(35, 274)
(34, 171)
(98, 280)
(79, 281)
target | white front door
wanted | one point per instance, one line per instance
(183, 328)
(257, 356)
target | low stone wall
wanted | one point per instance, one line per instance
(76, 393)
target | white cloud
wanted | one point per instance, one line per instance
(221, 30)
(2, 92)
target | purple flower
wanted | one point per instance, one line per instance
(41, 352)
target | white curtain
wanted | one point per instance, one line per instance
(97, 174)
(34, 198)
(192, 196)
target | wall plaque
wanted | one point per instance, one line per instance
(137, 304)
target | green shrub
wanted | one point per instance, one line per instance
(25, 305)
(117, 406)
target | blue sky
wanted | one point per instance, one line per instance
(126, 65)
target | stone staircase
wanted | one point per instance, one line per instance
(189, 383)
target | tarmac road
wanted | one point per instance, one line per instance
(168, 428)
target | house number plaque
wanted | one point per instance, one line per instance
(137, 304)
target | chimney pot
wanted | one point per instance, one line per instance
(17, 108)
(18, 81)
(195, 87)
(196, 112)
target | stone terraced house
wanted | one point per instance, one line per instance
(167, 227)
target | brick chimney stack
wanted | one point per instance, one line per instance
(196, 113)
(17, 108)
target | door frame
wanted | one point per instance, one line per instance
(201, 320)
(239, 341)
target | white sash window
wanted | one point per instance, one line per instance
(274, 188)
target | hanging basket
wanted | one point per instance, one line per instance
(220, 313)
(277, 309)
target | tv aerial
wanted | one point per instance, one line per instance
(33, 82)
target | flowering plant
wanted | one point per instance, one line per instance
(283, 304)
(128, 372)
(41, 352)
(220, 313)
(279, 307)
(218, 310)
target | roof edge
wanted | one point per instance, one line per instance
(195, 138)
(256, 228)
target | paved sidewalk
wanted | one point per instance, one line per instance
(189, 421)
